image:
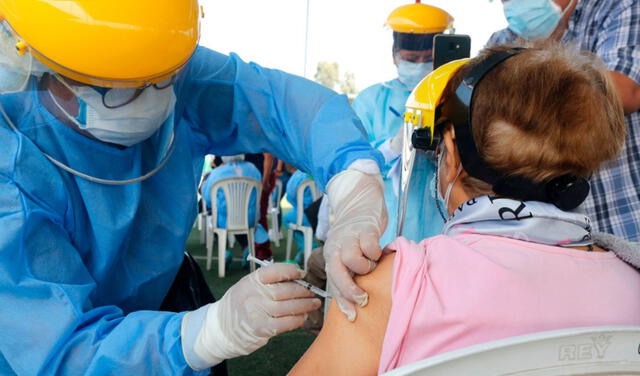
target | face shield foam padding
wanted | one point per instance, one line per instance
(412, 42)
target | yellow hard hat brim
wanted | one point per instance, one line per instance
(110, 43)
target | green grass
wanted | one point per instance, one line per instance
(283, 351)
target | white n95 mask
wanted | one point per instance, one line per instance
(411, 74)
(127, 125)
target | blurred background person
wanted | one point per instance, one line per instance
(381, 109)
(611, 30)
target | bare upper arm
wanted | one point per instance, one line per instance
(629, 92)
(353, 348)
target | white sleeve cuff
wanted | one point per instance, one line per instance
(192, 323)
(387, 152)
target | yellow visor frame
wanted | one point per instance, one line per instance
(424, 100)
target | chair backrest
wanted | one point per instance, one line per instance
(611, 350)
(276, 195)
(237, 195)
(316, 193)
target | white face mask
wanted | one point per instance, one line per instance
(411, 74)
(126, 125)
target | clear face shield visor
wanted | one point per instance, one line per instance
(411, 158)
(420, 135)
(15, 61)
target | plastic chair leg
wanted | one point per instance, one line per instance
(289, 243)
(252, 248)
(222, 248)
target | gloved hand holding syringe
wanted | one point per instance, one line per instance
(301, 282)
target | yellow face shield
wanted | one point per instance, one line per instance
(420, 118)
(421, 107)
(115, 43)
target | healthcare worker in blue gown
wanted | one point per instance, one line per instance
(381, 109)
(106, 113)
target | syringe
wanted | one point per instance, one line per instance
(302, 283)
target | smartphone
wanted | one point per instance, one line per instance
(450, 47)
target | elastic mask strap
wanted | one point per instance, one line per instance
(92, 178)
(447, 194)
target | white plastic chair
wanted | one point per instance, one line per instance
(274, 210)
(607, 350)
(307, 231)
(237, 194)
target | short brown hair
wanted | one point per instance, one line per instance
(549, 111)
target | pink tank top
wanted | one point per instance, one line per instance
(453, 292)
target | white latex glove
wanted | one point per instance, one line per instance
(261, 305)
(391, 149)
(396, 141)
(358, 220)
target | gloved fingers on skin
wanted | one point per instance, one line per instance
(354, 259)
(346, 307)
(286, 323)
(279, 272)
(292, 307)
(370, 245)
(338, 274)
(286, 290)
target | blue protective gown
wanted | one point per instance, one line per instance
(233, 170)
(85, 266)
(381, 109)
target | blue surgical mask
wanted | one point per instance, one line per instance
(533, 19)
(411, 74)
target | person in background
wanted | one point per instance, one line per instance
(521, 131)
(232, 167)
(611, 30)
(381, 109)
(266, 164)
